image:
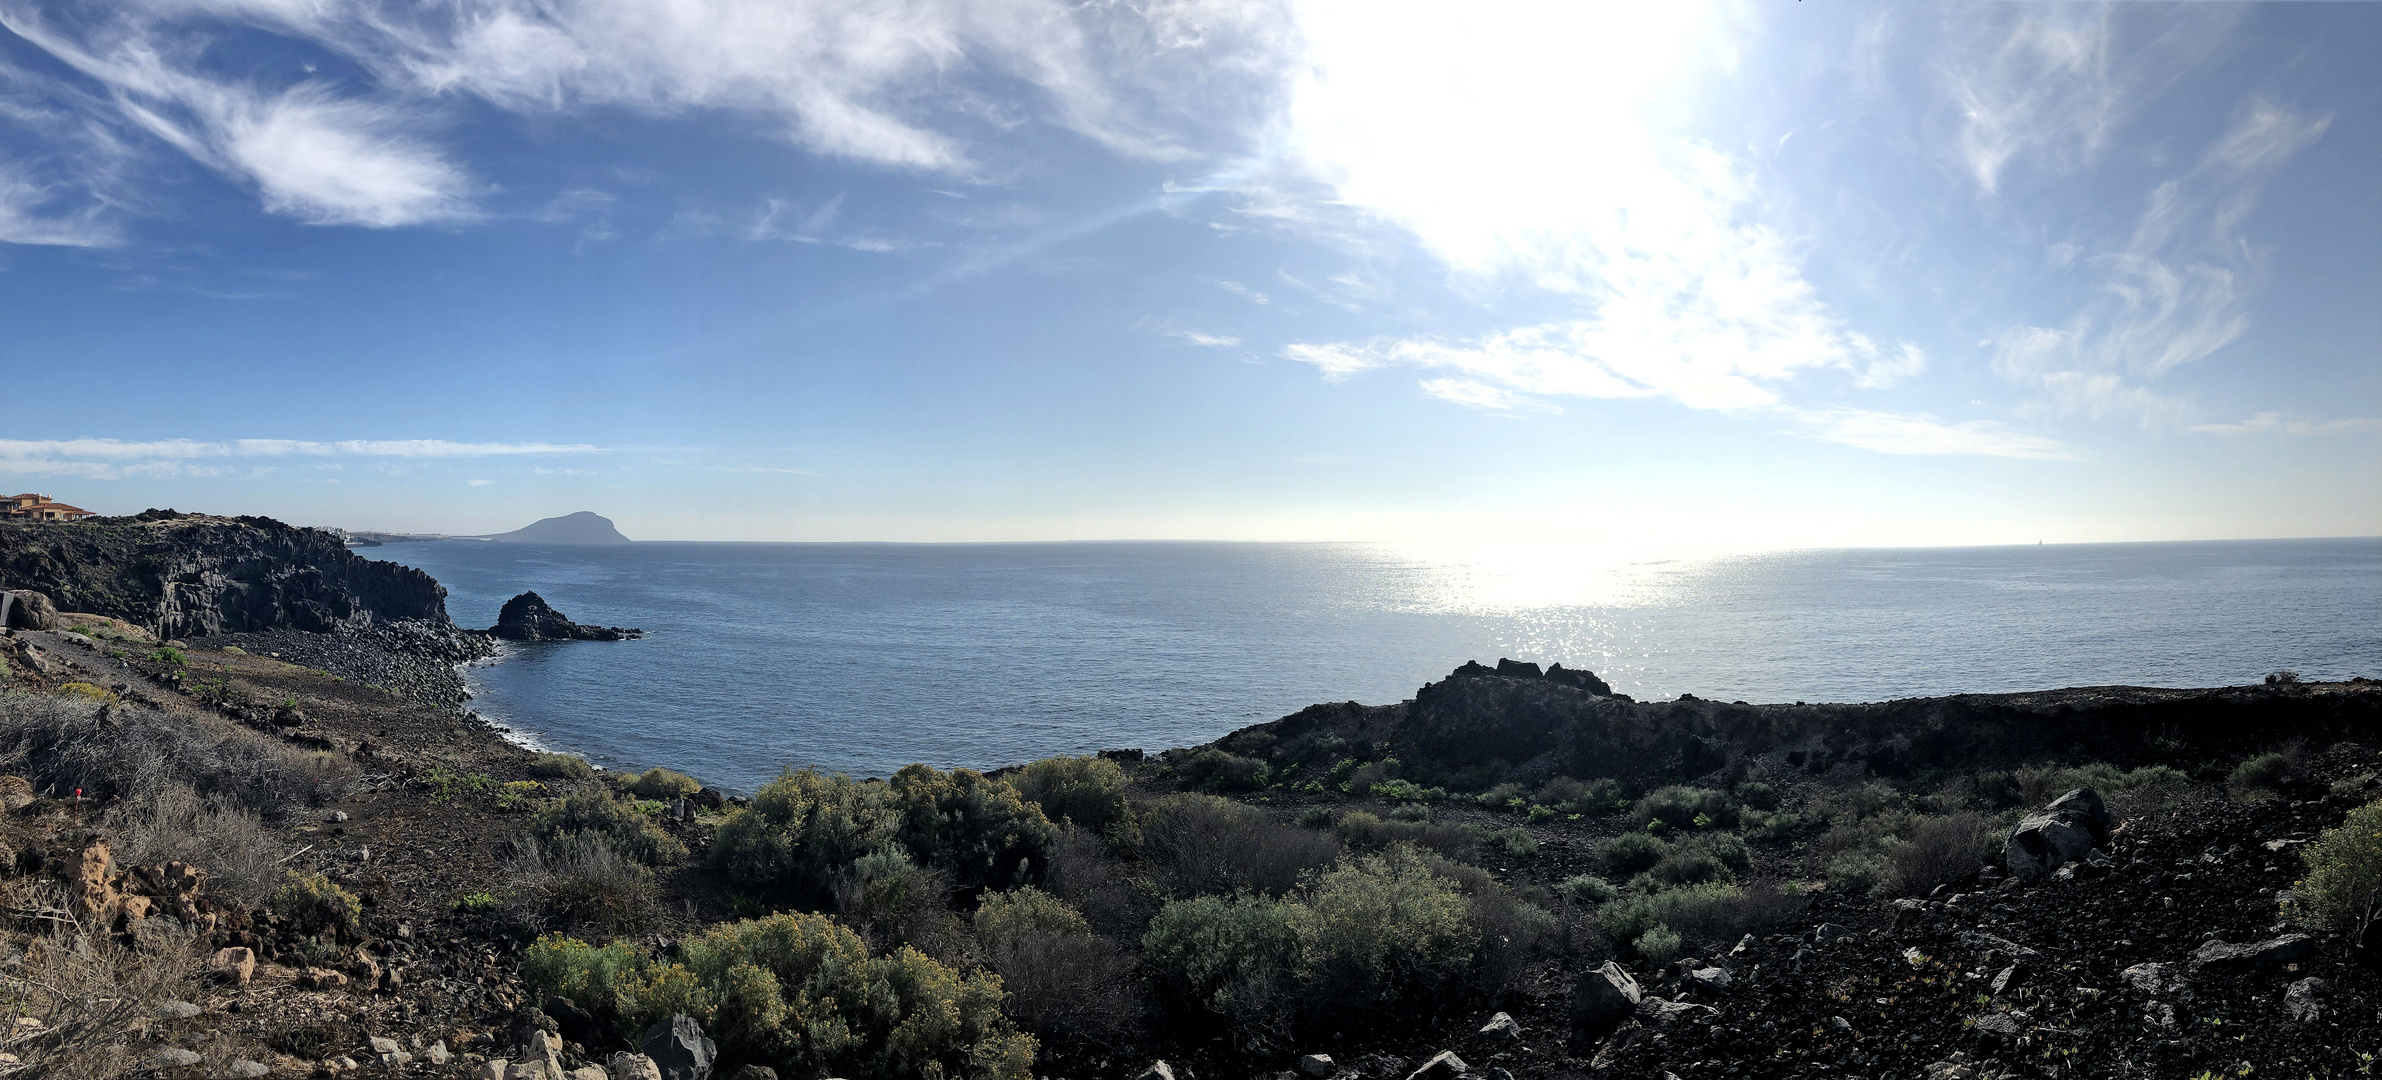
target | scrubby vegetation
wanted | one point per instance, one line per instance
(2342, 889)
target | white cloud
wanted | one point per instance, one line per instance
(1238, 289)
(2175, 293)
(1917, 433)
(116, 458)
(26, 218)
(2276, 423)
(479, 483)
(1212, 340)
(1480, 395)
(313, 155)
(1468, 131)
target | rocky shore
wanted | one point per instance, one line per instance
(277, 851)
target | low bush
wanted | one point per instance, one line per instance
(1631, 853)
(1758, 795)
(577, 881)
(1503, 795)
(1560, 791)
(2035, 786)
(1059, 972)
(1232, 957)
(2260, 778)
(1082, 873)
(1511, 842)
(603, 818)
(1856, 873)
(84, 994)
(1726, 848)
(665, 784)
(2344, 873)
(136, 754)
(314, 906)
(801, 994)
(806, 827)
(1089, 790)
(1209, 769)
(1679, 806)
(241, 856)
(1686, 866)
(1379, 929)
(1367, 831)
(1658, 946)
(1939, 851)
(1707, 916)
(1202, 844)
(562, 767)
(895, 900)
(1316, 817)
(1586, 889)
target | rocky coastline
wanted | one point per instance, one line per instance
(247, 786)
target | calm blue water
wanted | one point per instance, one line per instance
(863, 657)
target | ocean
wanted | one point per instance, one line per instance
(861, 658)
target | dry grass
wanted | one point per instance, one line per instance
(95, 999)
(137, 755)
(1201, 844)
(579, 882)
(241, 857)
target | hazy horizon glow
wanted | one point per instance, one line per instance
(1702, 277)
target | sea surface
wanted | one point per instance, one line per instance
(864, 657)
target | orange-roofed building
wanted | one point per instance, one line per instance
(35, 507)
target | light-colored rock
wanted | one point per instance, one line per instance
(1502, 1026)
(235, 965)
(16, 793)
(588, 1072)
(393, 1060)
(382, 1044)
(1322, 1064)
(1158, 1070)
(491, 1069)
(1711, 978)
(2304, 999)
(438, 1053)
(627, 1066)
(250, 1070)
(1656, 1012)
(174, 1010)
(174, 1057)
(2086, 803)
(1443, 1065)
(679, 1048)
(2149, 978)
(1984, 942)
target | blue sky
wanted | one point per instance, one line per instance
(1740, 275)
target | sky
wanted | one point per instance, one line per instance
(1731, 274)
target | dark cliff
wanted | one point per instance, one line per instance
(1569, 723)
(185, 575)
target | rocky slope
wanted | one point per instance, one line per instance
(188, 575)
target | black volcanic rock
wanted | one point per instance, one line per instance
(187, 575)
(580, 528)
(528, 617)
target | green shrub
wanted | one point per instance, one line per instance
(1502, 795)
(804, 828)
(1410, 812)
(800, 994)
(1058, 972)
(1210, 769)
(1631, 853)
(1315, 817)
(562, 767)
(1726, 848)
(1382, 928)
(1513, 842)
(2344, 872)
(1406, 791)
(313, 905)
(1586, 889)
(599, 816)
(1089, 790)
(1758, 795)
(1559, 791)
(1856, 873)
(1689, 866)
(1232, 957)
(2259, 778)
(897, 900)
(169, 656)
(665, 784)
(1678, 806)
(1366, 831)
(1939, 851)
(1659, 946)
(1707, 915)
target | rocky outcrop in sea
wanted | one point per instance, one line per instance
(528, 617)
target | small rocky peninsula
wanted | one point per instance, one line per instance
(218, 861)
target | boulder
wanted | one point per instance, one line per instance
(2304, 1000)
(2086, 803)
(2044, 842)
(1158, 1070)
(491, 1069)
(1322, 1064)
(628, 1066)
(544, 1051)
(235, 965)
(245, 1069)
(1601, 1000)
(1984, 942)
(1656, 1012)
(1443, 1065)
(596, 1072)
(16, 793)
(1828, 931)
(174, 1057)
(574, 1023)
(28, 610)
(1710, 978)
(679, 1048)
(174, 1010)
(1501, 1026)
(2267, 957)
(528, 617)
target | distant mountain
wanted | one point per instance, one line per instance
(580, 528)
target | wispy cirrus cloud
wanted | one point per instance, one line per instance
(1214, 341)
(2279, 423)
(117, 458)
(2175, 292)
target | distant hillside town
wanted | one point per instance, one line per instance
(33, 507)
